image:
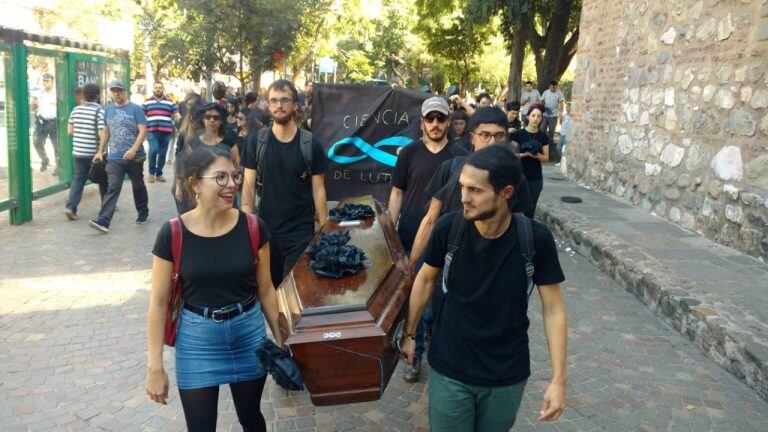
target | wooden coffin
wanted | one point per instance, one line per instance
(343, 332)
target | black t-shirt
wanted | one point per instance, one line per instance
(481, 331)
(413, 171)
(531, 166)
(463, 142)
(442, 188)
(227, 141)
(286, 201)
(216, 271)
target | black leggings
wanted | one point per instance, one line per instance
(200, 406)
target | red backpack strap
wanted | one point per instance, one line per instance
(253, 232)
(176, 237)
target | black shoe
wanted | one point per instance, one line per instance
(142, 219)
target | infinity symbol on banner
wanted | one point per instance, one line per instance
(372, 151)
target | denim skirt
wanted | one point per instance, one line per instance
(210, 353)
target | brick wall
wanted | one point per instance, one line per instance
(670, 112)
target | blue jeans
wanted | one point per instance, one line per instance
(561, 145)
(548, 126)
(82, 165)
(210, 353)
(158, 148)
(424, 321)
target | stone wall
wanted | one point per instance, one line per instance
(670, 112)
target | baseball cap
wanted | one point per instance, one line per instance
(116, 84)
(434, 103)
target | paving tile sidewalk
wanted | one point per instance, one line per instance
(714, 295)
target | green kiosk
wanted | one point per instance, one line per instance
(40, 82)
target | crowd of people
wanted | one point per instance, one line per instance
(460, 195)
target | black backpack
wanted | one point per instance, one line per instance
(524, 235)
(453, 182)
(262, 139)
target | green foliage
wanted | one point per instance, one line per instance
(453, 37)
(410, 42)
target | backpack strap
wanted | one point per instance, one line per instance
(453, 181)
(305, 144)
(458, 228)
(253, 233)
(176, 237)
(525, 237)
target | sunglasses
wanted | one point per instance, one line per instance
(222, 178)
(441, 118)
(212, 117)
(240, 118)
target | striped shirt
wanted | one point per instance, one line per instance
(86, 120)
(160, 114)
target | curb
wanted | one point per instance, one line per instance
(663, 291)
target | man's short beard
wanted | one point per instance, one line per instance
(439, 138)
(285, 121)
(484, 215)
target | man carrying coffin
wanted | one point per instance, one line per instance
(479, 357)
(408, 201)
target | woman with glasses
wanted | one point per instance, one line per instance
(532, 148)
(226, 299)
(210, 120)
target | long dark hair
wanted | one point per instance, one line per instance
(212, 106)
(199, 159)
(252, 123)
(188, 126)
(536, 107)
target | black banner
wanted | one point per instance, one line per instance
(362, 129)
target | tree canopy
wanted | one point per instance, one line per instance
(489, 45)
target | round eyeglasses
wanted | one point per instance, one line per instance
(222, 178)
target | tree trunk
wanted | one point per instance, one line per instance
(517, 51)
(569, 50)
(256, 77)
(548, 62)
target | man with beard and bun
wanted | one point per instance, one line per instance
(479, 356)
(415, 166)
(161, 112)
(287, 165)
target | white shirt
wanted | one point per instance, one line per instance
(46, 105)
(552, 101)
(528, 98)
